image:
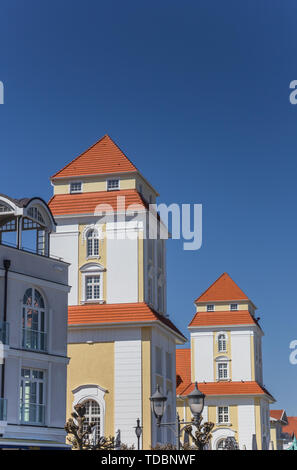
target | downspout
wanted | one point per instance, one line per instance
(6, 264)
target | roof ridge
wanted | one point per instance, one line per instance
(206, 290)
(106, 136)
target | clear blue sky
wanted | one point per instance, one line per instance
(197, 94)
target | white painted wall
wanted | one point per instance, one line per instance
(203, 347)
(127, 386)
(241, 355)
(246, 423)
(122, 269)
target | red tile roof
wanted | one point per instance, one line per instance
(276, 414)
(104, 157)
(117, 313)
(86, 203)
(291, 428)
(228, 388)
(183, 369)
(224, 288)
(239, 317)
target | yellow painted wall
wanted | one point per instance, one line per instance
(92, 364)
(146, 336)
(273, 436)
(94, 184)
(221, 306)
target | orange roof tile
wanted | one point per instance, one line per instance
(86, 203)
(103, 157)
(228, 388)
(276, 414)
(291, 428)
(183, 369)
(239, 317)
(224, 288)
(117, 313)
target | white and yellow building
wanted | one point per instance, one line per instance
(121, 342)
(225, 359)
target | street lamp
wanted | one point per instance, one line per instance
(196, 402)
(158, 404)
(138, 432)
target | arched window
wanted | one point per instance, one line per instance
(34, 336)
(221, 444)
(222, 343)
(92, 244)
(93, 415)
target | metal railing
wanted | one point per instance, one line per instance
(4, 332)
(3, 409)
(34, 340)
(32, 413)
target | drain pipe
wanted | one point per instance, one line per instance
(6, 265)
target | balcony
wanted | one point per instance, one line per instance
(4, 332)
(3, 409)
(32, 413)
(34, 340)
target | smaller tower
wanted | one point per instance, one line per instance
(226, 359)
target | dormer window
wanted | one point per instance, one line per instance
(210, 308)
(113, 184)
(233, 307)
(75, 187)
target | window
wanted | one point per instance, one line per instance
(75, 187)
(223, 372)
(210, 308)
(33, 321)
(92, 244)
(222, 343)
(93, 415)
(233, 307)
(113, 184)
(223, 414)
(221, 444)
(158, 360)
(93, 287)
(32, 405)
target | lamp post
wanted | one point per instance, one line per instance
(196, 403)
(138, 432)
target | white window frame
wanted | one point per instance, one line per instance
(224, 340)
(223, 360)
(23, 400)
(225, 415)
(87, 392)
(95, 238)
(39, 336)
(233, 309)
(93, 281)
(88, 270)
(71, 191)
(210, 307)
(110, 180)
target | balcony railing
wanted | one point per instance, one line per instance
(4, 332)
(34, 340)
(32, 413)
(3, 409)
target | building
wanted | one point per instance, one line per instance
(225, 359)
(289, 433)
(278, 419)
(121, 340)
(33, 328)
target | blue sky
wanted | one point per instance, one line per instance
(197, 94)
